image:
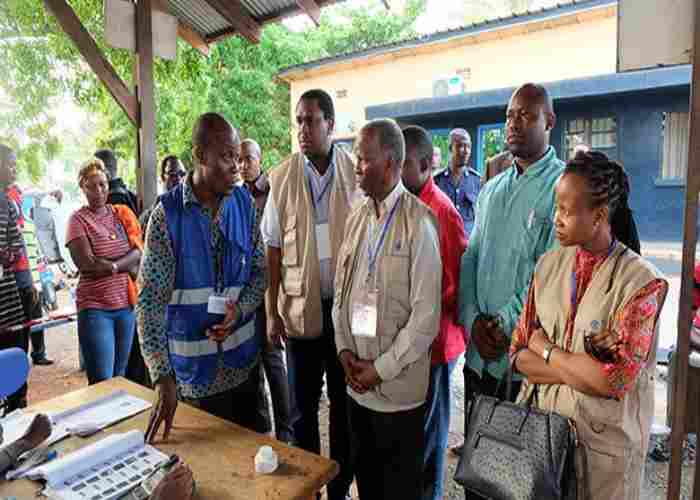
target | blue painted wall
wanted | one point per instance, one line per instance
(658, 208)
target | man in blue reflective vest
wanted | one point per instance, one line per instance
(203, 277)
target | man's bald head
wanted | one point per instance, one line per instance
(208, 126)
(535, 93)
(530, 119)
(216, 148)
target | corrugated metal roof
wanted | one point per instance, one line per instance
(204, 19)
(266, 8)
(199, 15)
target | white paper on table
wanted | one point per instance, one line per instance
(101, 412)
(16, 424)
(106, 469)
(94, 415)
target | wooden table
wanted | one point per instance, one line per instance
(220, 454)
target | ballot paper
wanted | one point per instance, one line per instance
(82, 420)
(104, 470)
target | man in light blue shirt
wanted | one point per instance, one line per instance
(513, 228)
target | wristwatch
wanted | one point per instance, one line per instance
(547, 352)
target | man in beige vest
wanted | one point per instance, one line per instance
(303, 227)
(387, 313)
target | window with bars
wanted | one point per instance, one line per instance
(592, 133)
(675, 130)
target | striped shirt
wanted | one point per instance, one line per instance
(108, 240)
(11, 244)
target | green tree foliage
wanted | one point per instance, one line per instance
(40, 64)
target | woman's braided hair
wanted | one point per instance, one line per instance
(609, 185)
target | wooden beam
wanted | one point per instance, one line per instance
(239, 17)
(145, 90)
(685, 313)
(272, 18)
(71, 25)
(311, 8)
(193, 38)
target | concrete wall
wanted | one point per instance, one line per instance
(566, 51)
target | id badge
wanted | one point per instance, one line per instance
(323, 241)
(217, 304)
(2, 272)
(364, 314)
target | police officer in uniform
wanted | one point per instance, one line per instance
(458, 181)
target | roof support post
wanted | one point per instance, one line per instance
(685, 314)
(146, 137)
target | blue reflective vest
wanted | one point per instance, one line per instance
(192, 354)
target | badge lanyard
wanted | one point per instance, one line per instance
(314, 200)
(373, 253)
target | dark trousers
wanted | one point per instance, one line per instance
(136, 370)
(274, 369)
(33, 311)
(387, 452)
(487, 385)
(236, 405)
(307, 361)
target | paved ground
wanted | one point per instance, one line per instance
(48, 382)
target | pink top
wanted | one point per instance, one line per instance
(108, 240)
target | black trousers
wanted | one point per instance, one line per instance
(307, 361)
(487, 385)
(136, 370)
(273, 368)
(33, 311)
(236, 405)
(387, 449)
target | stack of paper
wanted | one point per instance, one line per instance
(104, 470)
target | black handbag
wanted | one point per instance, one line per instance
(517, 452)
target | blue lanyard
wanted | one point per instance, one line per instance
(315, 201)
(372, 253)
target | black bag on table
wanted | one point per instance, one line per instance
(517, 452)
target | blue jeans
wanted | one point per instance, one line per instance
(105, 339)
(437, 426)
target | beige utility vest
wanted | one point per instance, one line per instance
(613, 434)
(299, 298)
(394, 299)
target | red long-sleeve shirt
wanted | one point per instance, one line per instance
(15, 194)
(451, 339)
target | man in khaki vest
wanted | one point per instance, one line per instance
(303, 227)
(387, 313)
